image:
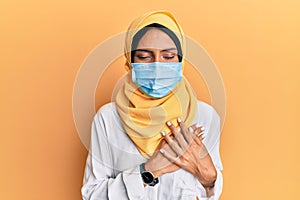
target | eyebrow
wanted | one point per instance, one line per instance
(149, 51)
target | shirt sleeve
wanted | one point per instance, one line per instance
(101, 181)
(212, 143)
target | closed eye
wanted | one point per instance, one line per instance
(168, 57)
(143, 57)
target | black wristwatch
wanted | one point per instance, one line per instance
(147, 177)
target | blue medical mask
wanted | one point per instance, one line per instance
(157, 79)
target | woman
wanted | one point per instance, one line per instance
(157, 141)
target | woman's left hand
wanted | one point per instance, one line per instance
(191, 152)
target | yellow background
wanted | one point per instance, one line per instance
(255, 45)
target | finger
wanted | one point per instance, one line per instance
(192, 131)
(181, 140)
(195, 131)
(200, 135)
(167, 148)
(180, 135)
(161, 144)
(193, 127)
(172, 143)
(198, 140)
(184, 130)
(171, 158)
(200, 131)
(172, 127)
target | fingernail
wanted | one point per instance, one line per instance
(169, 123)
(200, 134)
(198, 125)
(163, 133)
(162, 151)
(202, 128)
(191, 129)
(179, 120)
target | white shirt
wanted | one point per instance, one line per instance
(112, 167)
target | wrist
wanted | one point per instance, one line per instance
(207, 179)
(156, 173)
(209, 185)
(147, 176)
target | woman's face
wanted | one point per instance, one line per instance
(155, 46)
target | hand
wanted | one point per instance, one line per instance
(158, 164)
(188, 152)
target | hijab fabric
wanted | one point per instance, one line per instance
(144, 117)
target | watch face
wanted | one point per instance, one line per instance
(147, 177)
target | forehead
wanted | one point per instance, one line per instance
(155, 38)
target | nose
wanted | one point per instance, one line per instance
(156, 56)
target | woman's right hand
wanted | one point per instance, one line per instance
(159, 164)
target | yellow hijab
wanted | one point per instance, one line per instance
(144, 117)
